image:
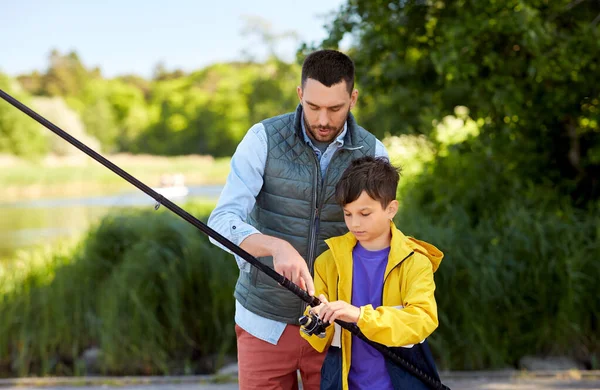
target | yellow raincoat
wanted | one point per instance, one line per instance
(408, 314)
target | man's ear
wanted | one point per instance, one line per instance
(353, 98)
(299, 92)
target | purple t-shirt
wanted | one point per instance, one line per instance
(367, 369)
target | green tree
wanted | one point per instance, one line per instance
(113, 111)
(528, 69)
(273, 90)
(209, 111)
(506, 96)
(66, 75)
(19, 134)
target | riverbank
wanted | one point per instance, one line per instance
(81, 175)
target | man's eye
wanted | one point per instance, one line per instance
(347, 215)
(366, 215)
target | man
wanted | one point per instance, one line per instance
(278, 204)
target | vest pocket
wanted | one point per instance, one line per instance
(259, 277)
(253, 276)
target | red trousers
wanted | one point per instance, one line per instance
(264, 366)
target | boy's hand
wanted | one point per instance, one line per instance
(337, 310)
(317, 309)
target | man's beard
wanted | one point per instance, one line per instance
(312, 130)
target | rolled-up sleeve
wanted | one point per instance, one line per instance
(241, 188)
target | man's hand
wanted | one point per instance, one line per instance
(288, 262)
(337, 310)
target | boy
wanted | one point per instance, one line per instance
(379, 279)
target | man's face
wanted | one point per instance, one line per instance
(325, 108)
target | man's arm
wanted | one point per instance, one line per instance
(237, 200)
(241, 188)
(380, 150)
(286, 259)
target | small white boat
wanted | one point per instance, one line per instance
(173, 192)
(172, 186)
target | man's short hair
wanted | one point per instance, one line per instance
(375, 175)
(328, 67)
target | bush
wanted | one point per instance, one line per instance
(521, 266)
(146, 288)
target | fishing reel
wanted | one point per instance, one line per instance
(311, 324)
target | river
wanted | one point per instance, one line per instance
(26, 224)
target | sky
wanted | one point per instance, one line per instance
(133, 36)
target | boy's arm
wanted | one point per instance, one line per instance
(397, 327)
(321, 287)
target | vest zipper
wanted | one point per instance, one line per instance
(312, 232)
(314, 223)
(318, 202)
(314, 217)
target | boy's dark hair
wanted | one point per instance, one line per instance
(375, 175)
(328, 67)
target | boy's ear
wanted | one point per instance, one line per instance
(392, 209)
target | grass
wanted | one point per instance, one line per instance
(145, 287)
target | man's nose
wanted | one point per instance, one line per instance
(323, 119)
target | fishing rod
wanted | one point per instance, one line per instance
(433, 383)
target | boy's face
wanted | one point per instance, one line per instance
(369, 221)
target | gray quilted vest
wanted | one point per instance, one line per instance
(297, 204)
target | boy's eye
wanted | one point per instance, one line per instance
(366, 215)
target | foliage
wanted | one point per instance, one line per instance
(207, 111)
(528, 69)
(19, 134)
(520, 268)
(146, 288)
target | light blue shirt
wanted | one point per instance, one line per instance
(237, 201)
